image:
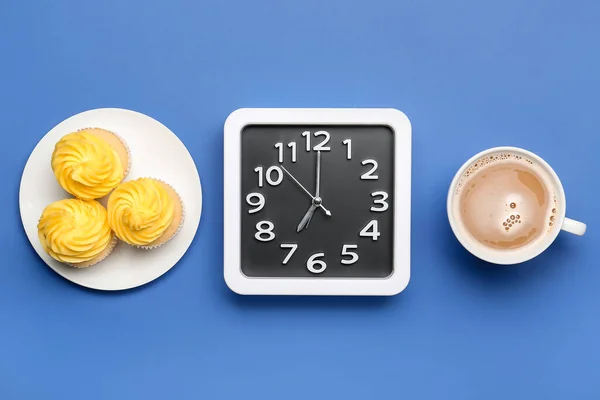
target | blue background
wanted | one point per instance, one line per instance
(469, 74)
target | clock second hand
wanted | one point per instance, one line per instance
(327, 212)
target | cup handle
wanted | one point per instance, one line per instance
(574, 227)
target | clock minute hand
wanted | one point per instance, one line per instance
(318, 185)
(318, 180)
(305, 190)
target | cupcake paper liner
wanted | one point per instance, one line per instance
(180, 223)
(105, 253)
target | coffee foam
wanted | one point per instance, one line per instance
(499, 158)
(486, 161)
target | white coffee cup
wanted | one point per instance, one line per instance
(530, 250)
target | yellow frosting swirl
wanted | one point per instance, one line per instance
(74, 231)
(140, 211)
(86, 166)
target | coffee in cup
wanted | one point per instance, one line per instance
(506, 205)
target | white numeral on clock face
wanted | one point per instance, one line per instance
(292, 145)
(374, 234)
(293, 247)
(353, 255)
(279, 147)
(316, 266)
(259, 204)
(306, 134)
(382, 201)
(270, 180)
(348, 144)
(321, 146)
(318, 147)
(261, 232)
(369, 173)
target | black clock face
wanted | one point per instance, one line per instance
(317, 201)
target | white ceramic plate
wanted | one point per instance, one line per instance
(155, 152)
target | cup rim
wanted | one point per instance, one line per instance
(515, 256)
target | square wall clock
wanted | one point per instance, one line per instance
(317, 201)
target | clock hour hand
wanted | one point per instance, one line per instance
(327, 212)
(306, 219)
(308, 222)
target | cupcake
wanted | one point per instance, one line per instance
(76, 232)
(90, 163)
(145, 212)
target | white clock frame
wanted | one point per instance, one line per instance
(242, 284)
